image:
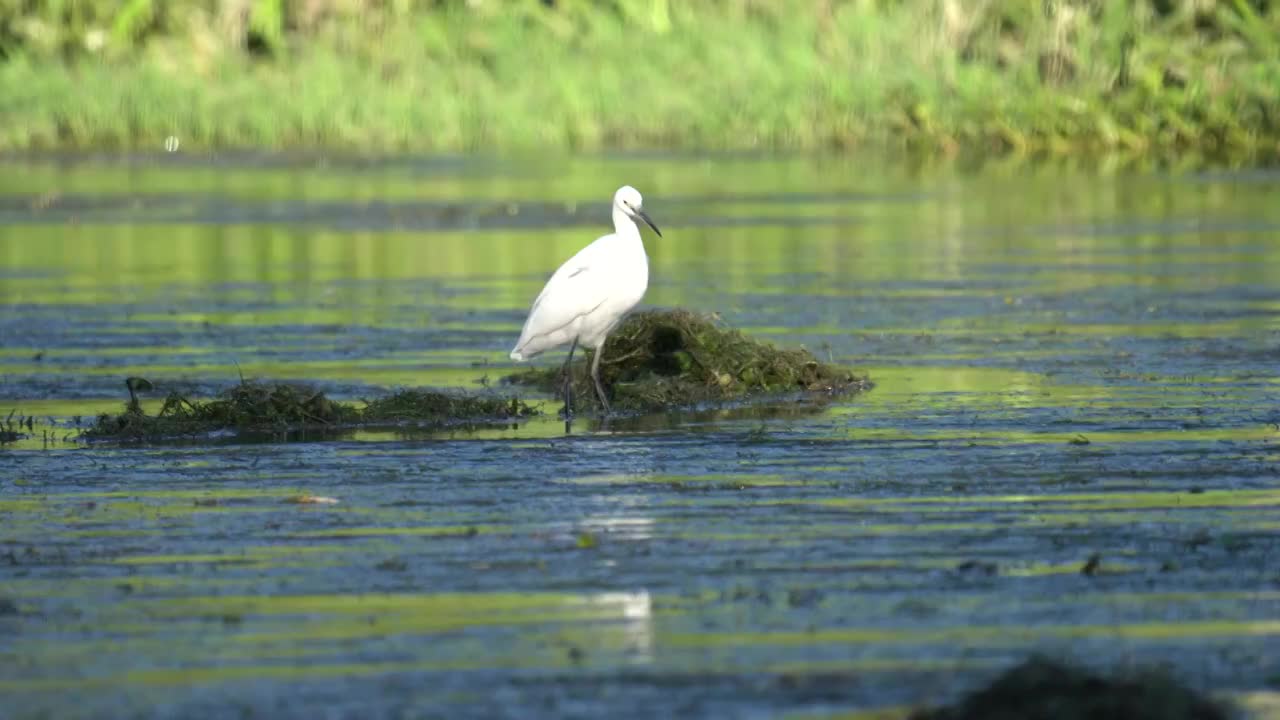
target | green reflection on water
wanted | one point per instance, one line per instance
(902, 225)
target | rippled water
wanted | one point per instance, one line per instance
(1068, 365)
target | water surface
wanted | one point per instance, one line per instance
(1068, 365)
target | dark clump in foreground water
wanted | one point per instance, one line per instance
(277, 407)
(1041, 689)
(661, 359)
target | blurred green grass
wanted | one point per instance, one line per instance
(1057, 76)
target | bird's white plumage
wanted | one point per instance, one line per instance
(590, 293)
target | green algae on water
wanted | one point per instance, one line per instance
(283, 407)
(662, 359)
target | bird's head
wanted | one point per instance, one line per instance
(628, 200)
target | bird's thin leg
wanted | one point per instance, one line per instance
(568, 380)
(595, 375)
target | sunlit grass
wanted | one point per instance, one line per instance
(780, 74)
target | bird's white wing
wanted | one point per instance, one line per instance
(575, 289)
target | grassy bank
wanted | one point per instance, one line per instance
(1059, 76)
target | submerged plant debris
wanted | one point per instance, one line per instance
(282, 407)
(1042, 689)
(660, 359)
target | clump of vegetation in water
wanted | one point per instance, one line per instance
(661, 359)
(419, 405)
(1041, 689)
(7, 431)
(280, 407)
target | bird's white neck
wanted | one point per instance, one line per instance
(624, 225)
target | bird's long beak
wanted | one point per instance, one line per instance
(640, 214)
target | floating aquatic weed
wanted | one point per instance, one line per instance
(656, 360)
(247, 406)
(8, 433)
(415, 405)
(282, 407)
(1092, 565)
(1042, 689)
(136, 385)
(661, 359)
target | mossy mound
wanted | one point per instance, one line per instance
(1041, 689)
(252, 407)
(429, 406)
(660, 359)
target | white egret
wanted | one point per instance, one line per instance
(588, 295)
